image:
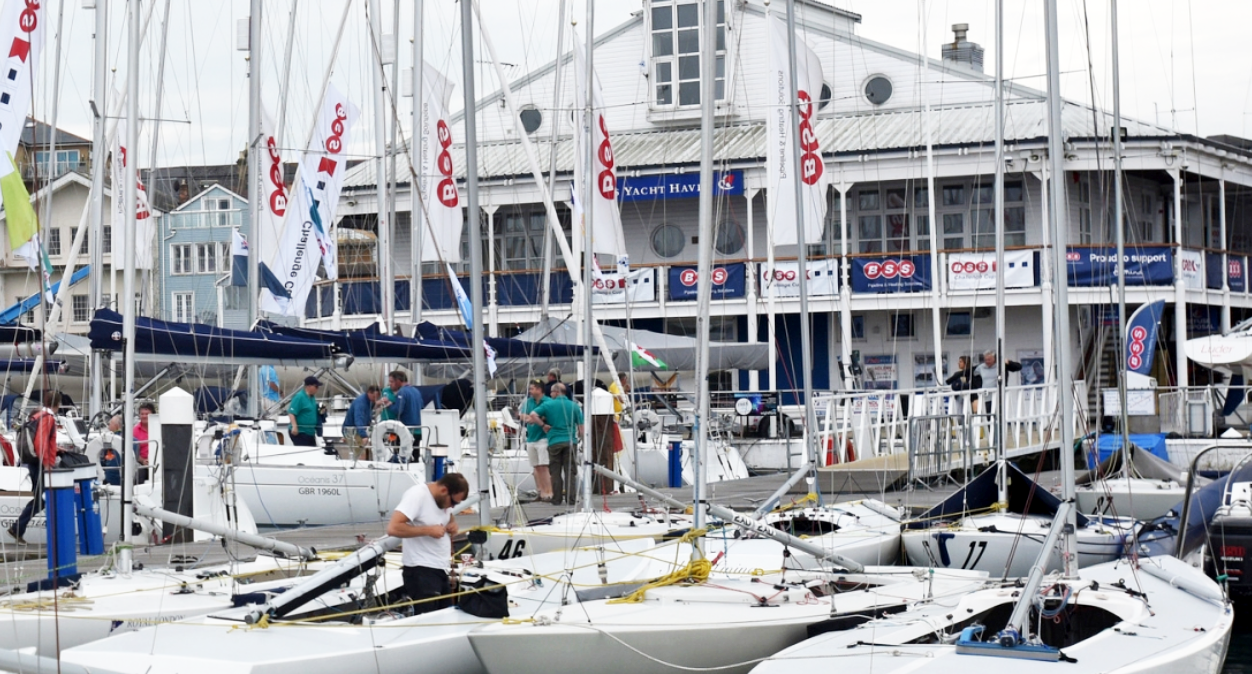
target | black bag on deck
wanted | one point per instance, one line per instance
(74, 459)
(484, 599)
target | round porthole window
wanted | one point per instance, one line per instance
(729, 239)
(667, 241)
(531, 118)
(824, 99)
(878, 90)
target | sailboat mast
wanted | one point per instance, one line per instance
(1060, 286)
(386, 282)
(588, 253)
(1001, 356)
(476, 261)
(128, 278)
(417, 141)
(1119, 227)
(549, 252)
(254, 192)
(931, 197)
(99, 73)
(806, 338)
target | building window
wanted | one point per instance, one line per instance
(81, 308)
(28, 318)
(54, 241)
(523, 241)
(206, 258)
(668, 240)
(831, 243)
(184, 307)
(66, 161)
(858, 327)
(180, 259)
(108, 240)
(729, 238)
(960, 324)
(953, 231)
(675, 30)
(901, 325)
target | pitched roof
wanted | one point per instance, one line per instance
(39, 134)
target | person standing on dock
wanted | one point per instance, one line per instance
(37, 447)
(562, 421)
(407, 406)
(303, 414)
(989, 371)
(537, 440)
(360, 416)
(422, 521)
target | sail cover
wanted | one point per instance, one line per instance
(204, 344)
(373, 346)
(506, 348)
(674, 351)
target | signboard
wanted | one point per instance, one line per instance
(1145, 266)
(924, 370)
(977, 271)
(1236, 276)
(728, 282)
(1192, 263)
(785, 278)
(880, 372)
(1033, 364)
(680, 186)
(1213, 271)
(900, 274)
(1139, 402)
(611, 288)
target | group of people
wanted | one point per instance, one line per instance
(400, 401)
(984, 375)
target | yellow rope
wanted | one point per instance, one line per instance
(696, 571)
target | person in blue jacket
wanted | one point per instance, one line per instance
(360, 416)
(407, 407)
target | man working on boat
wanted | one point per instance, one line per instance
(140, 432)
(422, 521)
(537, 441)
(554, 377)
(303, 414)
(407, 406)
(360, 416)
(562, 421)
(37, 447)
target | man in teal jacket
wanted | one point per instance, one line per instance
(562, 422)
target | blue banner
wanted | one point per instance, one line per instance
(1213, 271)
(680, 186)
(1145, 266)
(728, 282)
(1141, 337)
(1203, 320)
(900, 274)
(1236, 268)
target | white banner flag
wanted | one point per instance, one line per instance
(785, 278)
(780, 160)
(272, 190)
(145, 226)
(307, 236)
(22, 36)
(1192, 263)
(606, 219)
(441, 235)
(614, 288)
(977, 271)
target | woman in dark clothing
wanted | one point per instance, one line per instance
(965, 378)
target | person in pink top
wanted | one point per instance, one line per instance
(141, 432)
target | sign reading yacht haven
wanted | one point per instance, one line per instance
(896, 274)
(679, 186)
(1145, 266)
(728, 282)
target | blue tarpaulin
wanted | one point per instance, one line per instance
(1107, 444)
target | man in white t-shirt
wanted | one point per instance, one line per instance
(422, 520)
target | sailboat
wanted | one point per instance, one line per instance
(1156, 614)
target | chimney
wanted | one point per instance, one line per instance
(183, 193)
(962, 51)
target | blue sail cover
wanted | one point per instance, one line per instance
(372, 345)
(505, 348)
(1025, 497)
(205, 344)
(27, 365)
(12, 334)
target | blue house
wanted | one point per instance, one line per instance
(195, 260)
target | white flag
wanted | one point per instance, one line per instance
(307, 235)
(145, 227)
(780, 160)
(22, 37)
(606, 219)
(272, 193)
(441, 233)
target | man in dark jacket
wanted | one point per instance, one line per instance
(42, 427)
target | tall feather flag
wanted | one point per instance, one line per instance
(22, 38)
(467, 315)
(145, 227)
(606, 220)
(440, 218)
(780, 157)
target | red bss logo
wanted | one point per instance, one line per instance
(1191, 265)
(1235, 269)
(1073, 256)
(981, 267)
(889, 269)
(689, 277)
(1137, 335)
(608, 284)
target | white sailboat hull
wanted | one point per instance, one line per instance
(996, 542)
(580, 529)
(292, 496)
(1135, 498)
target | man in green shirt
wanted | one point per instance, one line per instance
(303, 414)
(537, 441)
(562, 421)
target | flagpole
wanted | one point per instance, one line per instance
(1119, 225)
(128, 282)
(95, 280)
(417, 145)
(386, 280)
(255, 192)
(545, 294)
(588, 254)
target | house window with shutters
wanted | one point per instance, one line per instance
(674, 48)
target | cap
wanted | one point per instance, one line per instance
(312, 381)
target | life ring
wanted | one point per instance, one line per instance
(391, 437)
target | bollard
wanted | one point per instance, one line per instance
(90, 531)
(438, 456)
(676, 464)
(62, 526)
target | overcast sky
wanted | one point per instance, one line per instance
(1184, 64)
